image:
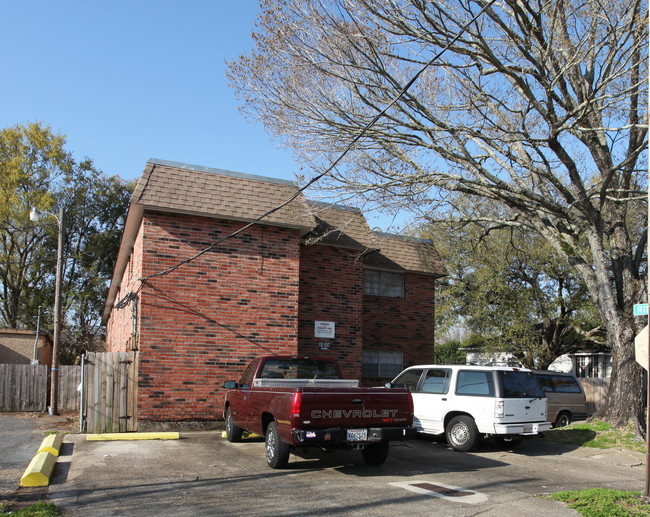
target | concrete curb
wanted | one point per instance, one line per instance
(40, 469)
(132, 436)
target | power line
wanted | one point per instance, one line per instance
(132, 295)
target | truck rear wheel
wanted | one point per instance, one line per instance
(375, 453)
(277, 451)
(462, 433)
(233, 431)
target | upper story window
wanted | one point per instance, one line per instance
(383, 283)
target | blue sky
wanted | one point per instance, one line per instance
(131, 80)
(126, 81)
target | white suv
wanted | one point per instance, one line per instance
(466, 402)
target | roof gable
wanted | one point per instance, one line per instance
(191, 189)
(347, 227)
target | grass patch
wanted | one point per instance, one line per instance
(37, 510)
(602, 502)
(597, 434)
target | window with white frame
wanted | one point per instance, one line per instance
(379, 363)
(592, 365)
(383, 283)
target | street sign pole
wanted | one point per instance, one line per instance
(646, 490)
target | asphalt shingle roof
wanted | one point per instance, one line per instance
(190, 189)
(347, 227)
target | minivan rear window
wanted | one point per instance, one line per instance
(517, 384)
(559, 383)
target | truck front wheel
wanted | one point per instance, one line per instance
(375, 453)
(233, 431)
(277, 451)
(462, 433)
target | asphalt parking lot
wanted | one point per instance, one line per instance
(203, 474)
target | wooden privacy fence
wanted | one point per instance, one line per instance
(69, 384)
(110, 395)
(595, 392)
(25, 387)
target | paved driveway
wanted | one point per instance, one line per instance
(203, 474)
(22, 434)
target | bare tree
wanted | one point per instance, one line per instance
(538, 105)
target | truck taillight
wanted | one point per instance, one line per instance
(499, 409)
(296, 401)
(411, 409)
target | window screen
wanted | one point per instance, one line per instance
(383, 283)
(379, 363)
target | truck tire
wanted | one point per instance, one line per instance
(277, 451)
(462, 433)
(376, 453)
(233, 431)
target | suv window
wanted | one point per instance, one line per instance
(518, 384)
(436, 381)
(409, 379)
(477, 383)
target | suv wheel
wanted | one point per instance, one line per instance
(462, 433)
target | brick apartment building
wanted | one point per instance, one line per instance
(307, 279)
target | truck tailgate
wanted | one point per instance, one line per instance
(361, 407)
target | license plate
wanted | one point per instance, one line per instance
(357, 435)
(528, 428)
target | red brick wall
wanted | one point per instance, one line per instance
(402, 324)
(202, 323)
(119, 328)
(331, 289)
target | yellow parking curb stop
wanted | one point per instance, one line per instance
(52, 443)
(132, 436)
(39, 471)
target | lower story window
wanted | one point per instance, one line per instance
(378, 363)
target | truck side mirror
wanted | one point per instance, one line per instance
(231, 385)
(388, 385)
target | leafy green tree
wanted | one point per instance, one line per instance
(509, 287)
(538, 106)
(37, 171)
(449, 353)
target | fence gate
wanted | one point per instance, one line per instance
(110, 392)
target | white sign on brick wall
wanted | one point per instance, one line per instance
(324, 329)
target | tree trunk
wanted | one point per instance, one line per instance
(626, 391)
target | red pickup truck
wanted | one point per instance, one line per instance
(304, 402)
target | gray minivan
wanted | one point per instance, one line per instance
(566, 398)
